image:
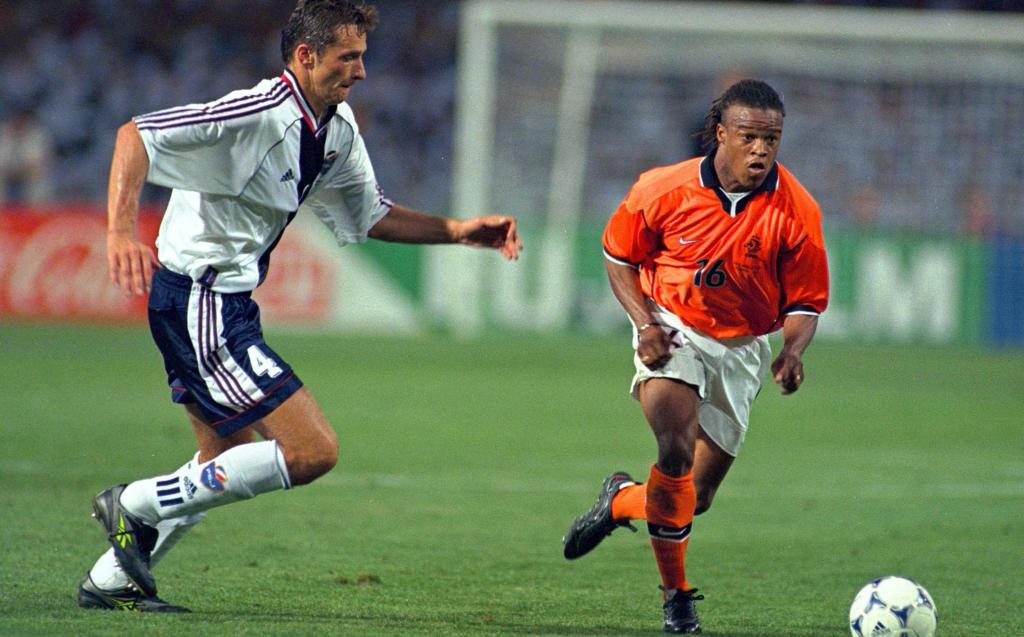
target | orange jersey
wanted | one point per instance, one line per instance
(725, 269)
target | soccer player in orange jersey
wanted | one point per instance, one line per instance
(707, 257)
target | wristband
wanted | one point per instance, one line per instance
(645, 326)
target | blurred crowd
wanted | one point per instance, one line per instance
(72, 71)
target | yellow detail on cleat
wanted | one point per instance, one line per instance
(123, 604)
(122, 537)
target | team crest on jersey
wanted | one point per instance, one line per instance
(753, 246)
(329, 160)
(213, 477)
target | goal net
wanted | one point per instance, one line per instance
(897, 120)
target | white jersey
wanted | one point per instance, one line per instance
(242, 166)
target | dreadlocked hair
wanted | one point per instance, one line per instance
(749, 93)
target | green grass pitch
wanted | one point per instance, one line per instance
(463, 462)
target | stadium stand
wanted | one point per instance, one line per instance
(82, 68)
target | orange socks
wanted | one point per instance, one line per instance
(667, 504)
(670, 506)
(630, 503)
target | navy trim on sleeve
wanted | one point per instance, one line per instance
(800, 308)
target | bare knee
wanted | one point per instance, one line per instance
(676, 440)
(324, 458)
(309, 445)
(675, 453)
(670, 408)
(705, 497)
(310, 461)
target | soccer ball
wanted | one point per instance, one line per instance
(893, 606)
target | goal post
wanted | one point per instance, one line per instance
(892, 116)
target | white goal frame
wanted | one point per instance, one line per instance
(457, 283)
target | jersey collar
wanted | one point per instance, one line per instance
(307, 111)
(709, 179)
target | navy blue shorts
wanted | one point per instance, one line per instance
(214, 352)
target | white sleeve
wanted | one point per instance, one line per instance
(212, 148)
(352, 202)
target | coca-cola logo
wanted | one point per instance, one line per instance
(60, 269)
(54, 265)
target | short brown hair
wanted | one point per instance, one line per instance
(316, 22)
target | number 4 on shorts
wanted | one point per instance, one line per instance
(261, 363)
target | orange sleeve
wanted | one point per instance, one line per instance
(627, 237)
(803, 267)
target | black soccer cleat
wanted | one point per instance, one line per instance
(589, 529)
(128, 599)
(132, 539)
(681, 612)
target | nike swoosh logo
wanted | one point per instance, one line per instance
(687, 242)
(667, 533)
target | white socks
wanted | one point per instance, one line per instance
(239, 473)
(175, 503)
(107, 574)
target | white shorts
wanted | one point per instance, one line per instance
(727, 373)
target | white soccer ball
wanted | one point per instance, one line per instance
(893, 607)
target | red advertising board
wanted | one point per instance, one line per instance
(53, 265)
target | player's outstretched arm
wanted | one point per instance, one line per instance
(788, 366)
(405, 225)
(130, 263)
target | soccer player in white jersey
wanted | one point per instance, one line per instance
(241, 168)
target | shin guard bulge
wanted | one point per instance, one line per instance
(671, 502)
